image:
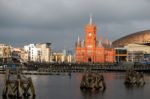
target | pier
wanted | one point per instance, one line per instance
(67, 68)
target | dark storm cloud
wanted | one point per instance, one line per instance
(60, 21)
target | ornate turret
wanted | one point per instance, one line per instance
(106, 41)
(78, 44)
(110, 43)
(100, 41)
(82, 43)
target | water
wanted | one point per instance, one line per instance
(66, 87)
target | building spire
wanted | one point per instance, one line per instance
(78, 39)
(100, 42)
(110, 43)
(106, 41)
(90, 19)
(101, 39)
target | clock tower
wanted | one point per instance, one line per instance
(90, 35)
(90, 40)
(90, 50)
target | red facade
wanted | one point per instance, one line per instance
(92, 50)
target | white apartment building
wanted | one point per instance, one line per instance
(39, 52)
(44, 52)
(32, 52)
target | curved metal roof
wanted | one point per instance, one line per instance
(137, 38)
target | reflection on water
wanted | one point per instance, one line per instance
(11, 97)
(68, 87)
(90, 94)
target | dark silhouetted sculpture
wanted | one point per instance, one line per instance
(92, 81)
(17, 85)
(134, 78)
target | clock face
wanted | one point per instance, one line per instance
(89, 46)
(90, 34)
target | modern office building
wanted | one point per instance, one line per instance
(138, 52)
(121, 54)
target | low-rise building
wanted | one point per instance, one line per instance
(20, 54)
(65, 56)
(138, 52)
(135, 56)
(121, 54)
(57, 57)
(5, 52)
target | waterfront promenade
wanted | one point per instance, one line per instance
(61, 68)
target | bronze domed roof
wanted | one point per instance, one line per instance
(137, 38)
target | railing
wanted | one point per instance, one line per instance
(60, 68)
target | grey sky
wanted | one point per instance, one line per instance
(61, 21)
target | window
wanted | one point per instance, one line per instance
(89, 46)
(89, 51)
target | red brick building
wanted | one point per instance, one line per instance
(92, 50)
